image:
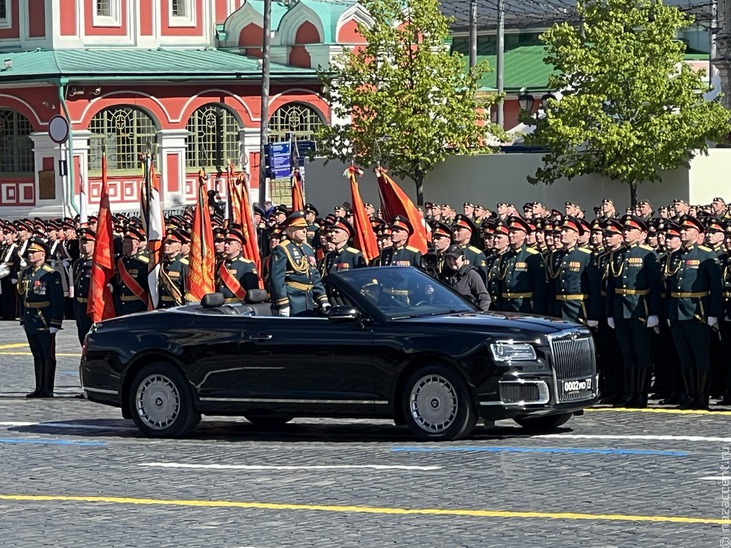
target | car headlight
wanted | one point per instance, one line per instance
(512, 352)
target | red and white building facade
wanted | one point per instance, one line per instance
(180, 76)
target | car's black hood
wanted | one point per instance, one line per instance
(507, 321)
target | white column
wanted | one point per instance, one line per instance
(171, 151)
(82, 145)
(250, 138)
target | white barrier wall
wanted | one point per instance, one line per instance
(496, 178)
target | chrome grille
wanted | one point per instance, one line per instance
(574, 359)
(515, 392)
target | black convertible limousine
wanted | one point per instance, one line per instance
(397, 344)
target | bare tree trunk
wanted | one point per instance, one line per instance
(633, 194)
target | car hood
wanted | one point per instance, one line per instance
(491, 321)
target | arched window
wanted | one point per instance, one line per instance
(213, 139)
(16, 148)
(301, 121)
(126, 132)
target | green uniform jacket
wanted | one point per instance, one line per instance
(176, 271)
(573, 285)
(633, 283)
(346, 258)
(476, 258)
(244, 270)
(401, 256)
(693, 284)
(523, 281)
(41, 299)
(294, 280)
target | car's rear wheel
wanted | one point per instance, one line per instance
(161, 402)
(268, 421)
(549, 422)
(437, 404)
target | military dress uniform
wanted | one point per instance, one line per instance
(695, 295)
(294, 281)
(345, 258)
(82, 282)
(173, 281)
(573, 285)
(633, 296)
(725, 321)
(522, 281)
(41, 309)
(475, 257)
(235, 277)
(132, 290)
(401, 256)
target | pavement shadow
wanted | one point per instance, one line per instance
(300, 431)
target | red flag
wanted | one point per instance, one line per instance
(364, 237)
(100, 305)
(298, 200)
(394, 201)
(202, 258)
(251, 247)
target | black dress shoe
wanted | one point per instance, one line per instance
(35, 394)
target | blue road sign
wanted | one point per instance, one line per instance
(280, 155)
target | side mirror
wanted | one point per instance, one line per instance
(343, 313)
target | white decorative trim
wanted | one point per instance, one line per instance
(356, 13)
(218, 90)
(307, 91)
(7, 22)
(26, 103)
(238, 21)
(188, 20)
(130, 91)
(293, 20)
(114, 18)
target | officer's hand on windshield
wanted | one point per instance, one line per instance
(712, 321)
(325, 307)
(610, 322)
(653, 321)
(592, 323)
(284, 312)
(53, 330)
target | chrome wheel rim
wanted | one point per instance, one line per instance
(433, 403)
(158, 402)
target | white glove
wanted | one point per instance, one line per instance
(653, 321)
(111, 288)
(53, 330)
(284, 312)
(325, 307)
(668, 322)
(592, 323)
(712, 321)
(610, 322)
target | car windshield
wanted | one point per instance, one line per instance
(405, 292)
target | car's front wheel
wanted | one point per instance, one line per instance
(539, 423)
(437, 404)
(161, 402)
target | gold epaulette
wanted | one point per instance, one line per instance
(474, 249)
(704, 248)
(352, 250)
(647, 247)
(412, 249)
(584, 250)
(143, 258)
(184, 261)
(245, 260)
(47, 268)
(532, 251)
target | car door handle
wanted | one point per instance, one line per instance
(260, 337)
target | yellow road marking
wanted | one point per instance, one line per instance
(362, 509)
(30, 354)
(14, 345)
(659, 410)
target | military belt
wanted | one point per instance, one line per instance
(517, 295)
(300, 286)
(41, 304)
(619, 291)
(82, 299)
(691, 295)
(572, 297)
(126, 298)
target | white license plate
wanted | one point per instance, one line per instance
(577, 385)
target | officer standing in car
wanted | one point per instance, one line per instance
(294, 281)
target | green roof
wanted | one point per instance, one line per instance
(140, 64)
(523, 62)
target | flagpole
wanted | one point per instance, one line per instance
(265, 69)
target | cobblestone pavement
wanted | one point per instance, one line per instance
(73, 473)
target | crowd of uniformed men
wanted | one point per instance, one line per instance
(655, 287)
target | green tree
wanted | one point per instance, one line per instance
(631, 106)
(408, 101)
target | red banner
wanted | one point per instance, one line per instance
(101, 306)
(298, 199)
(364, 237)
(394, 201)
(251, 246)
(202, 258)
